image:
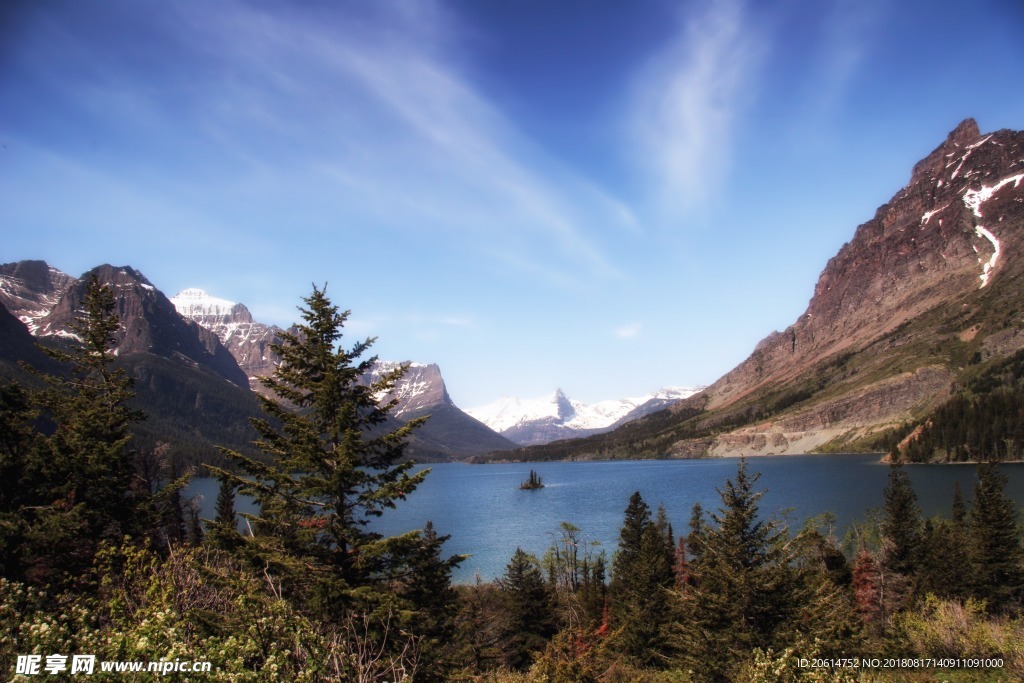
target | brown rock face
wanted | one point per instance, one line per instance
(149, 323)
(955, 229)
(29, 289)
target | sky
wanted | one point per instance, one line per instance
(601, 196)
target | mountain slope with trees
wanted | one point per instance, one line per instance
(928, 294)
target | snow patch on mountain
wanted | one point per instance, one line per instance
(510, 412)
(973, 199)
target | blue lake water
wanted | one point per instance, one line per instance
(488, 516)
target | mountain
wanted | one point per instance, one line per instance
(29, 289)
(149, 323)
(246, 340)
(448, 434)
(925, 297)
(543, 420)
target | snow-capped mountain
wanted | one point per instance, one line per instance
(542, 420)
(418, 389)
(29, 289)
(449, 433)
(248, 341)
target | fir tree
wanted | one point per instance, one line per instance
(901, 523)
(641, 576)
(997, 575)
(334, 466)
(224, 527)
(901, 540)
(745, 591)
(695, 540)
(82, 474)
(959, 507)
(529, 617)
(427, 587)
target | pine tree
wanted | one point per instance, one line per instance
(867, 588)
(529, 617)
(334, 467)
(641, 577)
(17, 438)
(224, 526)
(959, 507)
(428, 588)
(695, 540)
(901, 540)
(745, 592)
(997, 575)
(82, 474)
(901, 523)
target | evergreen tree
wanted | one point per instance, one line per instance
(224, 527)
(944, 564)
(901, 540)
(695, 540)
(334, 466)
(641, 576)
(959, 507)
(427, 587)
(17, 438)
(745, 593)
(529, 617)
(867, 588)
(997, 575)
(82, 473)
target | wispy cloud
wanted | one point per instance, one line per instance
(398, 135)
(844, 44)
(689, 100)
(628, 331)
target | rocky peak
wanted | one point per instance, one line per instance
(249, 342)
(29, 289)
(421, 386)
(951, 231)
(149, 322)
(207, 310)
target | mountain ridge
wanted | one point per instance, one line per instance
(926, 289)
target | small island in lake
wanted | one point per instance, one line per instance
(533, 482)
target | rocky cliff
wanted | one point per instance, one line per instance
(149, 323)
(29, 289)
(927, 289)
(246, 340)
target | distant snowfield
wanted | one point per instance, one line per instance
(508, 412)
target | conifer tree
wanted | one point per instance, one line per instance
(427, 587)
(529, 616)
(694, 540)
(867, 589)
(17, 438)
(997, 575)
(641, 577)
(224, 527)
(745, 591)
(334, 466)
(82, 473)
(959, 507)
(900, 530)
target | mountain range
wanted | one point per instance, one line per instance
(551, 418)
(923, 306)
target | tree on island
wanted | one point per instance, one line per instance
(534, 481)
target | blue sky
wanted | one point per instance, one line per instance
(602, 196)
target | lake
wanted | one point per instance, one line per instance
(488, 516)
